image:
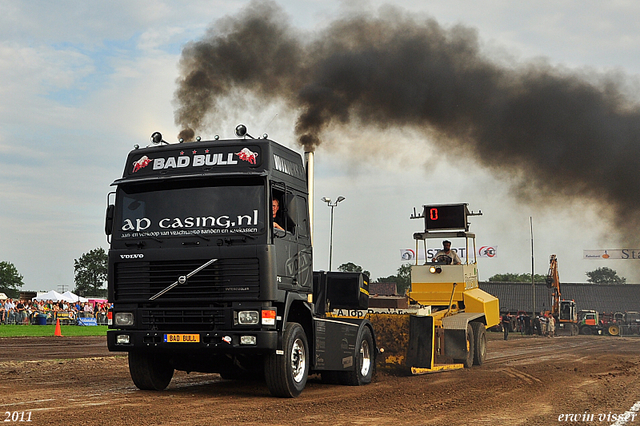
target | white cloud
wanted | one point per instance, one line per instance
(37, 71)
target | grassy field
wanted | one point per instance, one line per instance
(49, 330)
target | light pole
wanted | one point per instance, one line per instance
(332, 205)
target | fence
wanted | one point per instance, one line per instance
(51, 317)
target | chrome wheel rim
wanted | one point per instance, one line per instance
(298, 360)
(365, 353)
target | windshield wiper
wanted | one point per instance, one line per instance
(198, 235)
(240, 236)
(245, 235)
(182, 279)
(140, 244)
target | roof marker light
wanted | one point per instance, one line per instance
(156, 137)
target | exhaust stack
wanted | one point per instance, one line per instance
(309, 163)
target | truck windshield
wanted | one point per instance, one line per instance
(184, 208)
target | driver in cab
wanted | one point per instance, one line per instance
(446, 255)
(275, 206)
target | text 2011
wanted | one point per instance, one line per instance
(17, 416)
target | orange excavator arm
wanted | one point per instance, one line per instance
(553, 282)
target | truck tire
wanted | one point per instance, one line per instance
(586, 330)
(480, 342)
(286, 375)
(149, 372)
(468, 361)
(364, 362)
(613, 330)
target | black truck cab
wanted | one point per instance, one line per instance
(200, 278)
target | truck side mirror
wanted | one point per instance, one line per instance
(108, 223)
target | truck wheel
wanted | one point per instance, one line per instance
(364, 364)
(480, 342)
(613, 330)
(149, 372)
(468, 361)
(586, 330)
(286, 375)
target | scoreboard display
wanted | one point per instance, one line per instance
(445, 217)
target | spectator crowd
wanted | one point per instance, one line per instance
(29, 311)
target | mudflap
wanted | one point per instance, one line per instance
(456, 328)
(405, 342)
(335, 342)
(421, 342)
(455, 343)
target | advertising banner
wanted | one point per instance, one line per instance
(488, 251)
(605, 254)
(87, 321)
(409, 255)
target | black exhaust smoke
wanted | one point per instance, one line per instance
(553, 131)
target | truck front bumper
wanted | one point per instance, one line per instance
(220, 341)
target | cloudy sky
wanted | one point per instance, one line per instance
(82, 82)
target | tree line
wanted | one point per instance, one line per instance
(602, 275)
(402, 278)
(90, 272)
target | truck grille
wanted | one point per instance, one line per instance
(205, 319)
(226, 279)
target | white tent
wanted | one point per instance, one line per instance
(67, 296)
(3, 296)
(71, 297)
(50, 295)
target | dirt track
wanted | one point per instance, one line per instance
(525, 381)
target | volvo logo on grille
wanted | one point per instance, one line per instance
(132, 256)
(182, 279)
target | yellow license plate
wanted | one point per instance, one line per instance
(182, 338)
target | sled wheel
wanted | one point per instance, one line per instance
(480, 340)
(468, 360)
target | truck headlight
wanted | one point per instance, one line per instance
(123, 318)
(248, 317)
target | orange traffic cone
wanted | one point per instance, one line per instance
(58, 331)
